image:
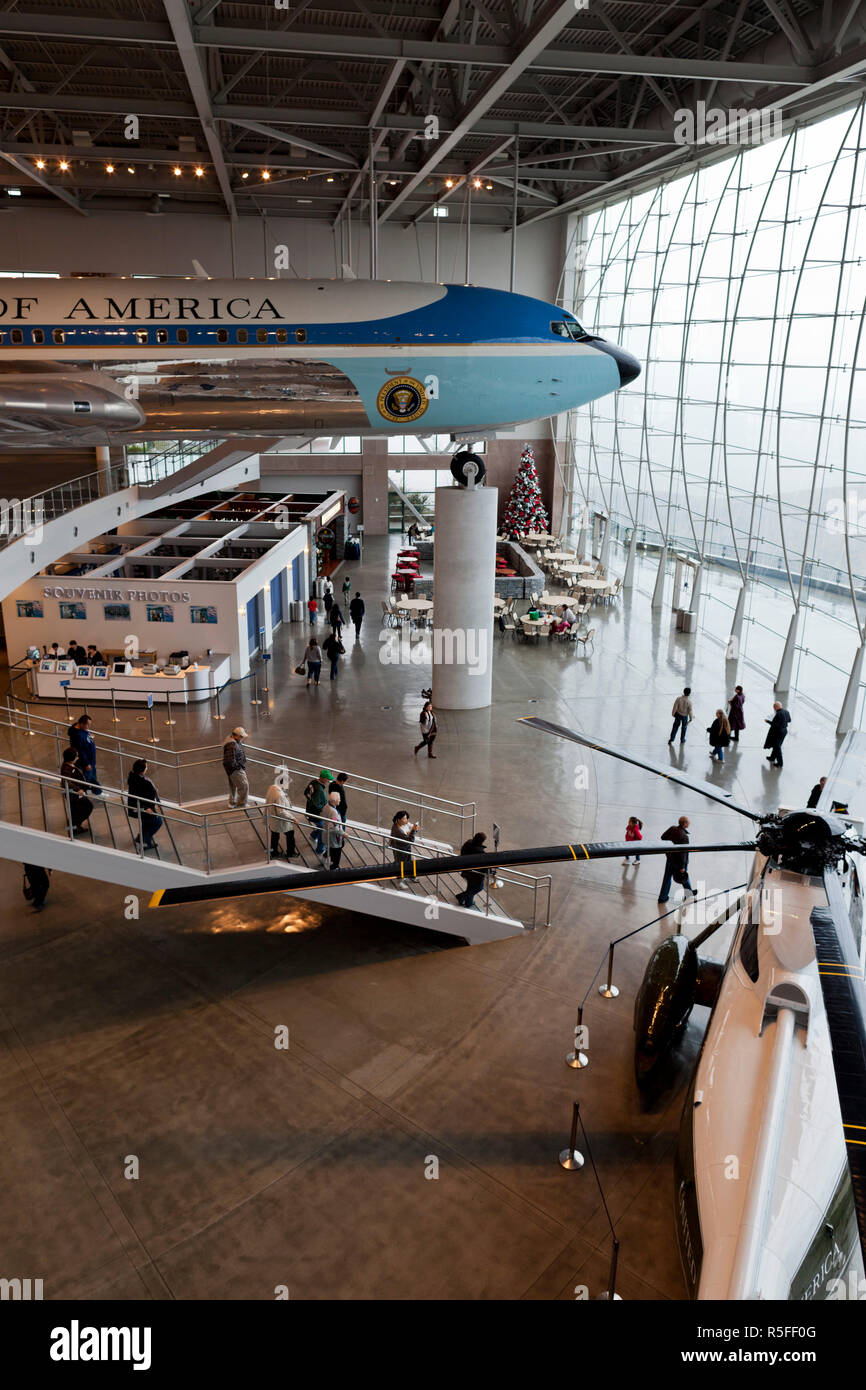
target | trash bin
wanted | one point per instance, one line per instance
(689, 622)
(296, 611)
(681, 613)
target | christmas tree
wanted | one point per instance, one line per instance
(525, 510)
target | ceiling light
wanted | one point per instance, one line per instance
(476, 183)
(14, 192)
(199, 172)
(488, 186)
(329, 179)
(130, 169)
(449, 183)
(393, 183)
(40, 164)
(305, 200)
(109, 168)
(245, 175)
(64, 166)
(440, 212)
(266, 174)
(177, 171)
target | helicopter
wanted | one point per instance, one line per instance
(770, 1169)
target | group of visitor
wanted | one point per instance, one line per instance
(725, 729)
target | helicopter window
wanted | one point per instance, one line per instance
(749, 950)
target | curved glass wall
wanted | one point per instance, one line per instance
(742, 288)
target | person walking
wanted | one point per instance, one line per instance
(777, 733)
(402, 838)
(327, 597)
(429, 729)
(347, 589)
(37, 880)
(333, 830)
(333, 649)
(632, 833)
(682, 712)
(337, 620)
(73, 782)
(676, 861)
(280, 820)
(340, 784)
(142, 801)
(315, 796)
(815, 794)
(82, 740)
(473, 878)
(313, 659)
(357, 609)
(235, 764)
(736, 717)
(312, 608)
(720, 735)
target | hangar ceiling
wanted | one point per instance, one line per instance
(238, 109)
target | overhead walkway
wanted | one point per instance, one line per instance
(204, 841)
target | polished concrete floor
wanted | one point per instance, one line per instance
(156, 1143)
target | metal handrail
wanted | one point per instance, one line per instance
(366, 841)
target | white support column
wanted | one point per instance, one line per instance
(735, 640)
(582, 534)
(628, 576)
(659, 590)
(103, 460)
(605, 545)
(464, 567)
(266, 621)
(697, 586)
(848, 715)
(678, 584)
(786, 668)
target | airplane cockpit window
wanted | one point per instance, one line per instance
(749, 950)
(567, 328)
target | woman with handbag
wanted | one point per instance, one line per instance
(313, 661)
(78, 804)
(429, 730)
(278, 812)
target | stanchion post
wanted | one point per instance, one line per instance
(578, 1058)
(115, 717)
(153, 738)
(169, 720)
(218, 714)
(609, 990)
(255, 700)
(610, 1294)
(65, 685)
(570, 1158)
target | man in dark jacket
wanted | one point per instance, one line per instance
(333, 649)
(316, 795)
(357, 609)
(81, 739)
(676, 861)
(815, 794)
(235, 766)
(777, 733)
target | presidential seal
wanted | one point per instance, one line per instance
(402, 400)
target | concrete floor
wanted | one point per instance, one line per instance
(307, 1168)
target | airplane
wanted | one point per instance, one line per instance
(770, 1169)
(107, 361)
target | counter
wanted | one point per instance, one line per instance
(194, 684)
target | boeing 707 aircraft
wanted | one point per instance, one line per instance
(106, 361)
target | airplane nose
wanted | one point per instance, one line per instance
(629, 367)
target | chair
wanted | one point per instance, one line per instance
(585, 639)
(387, 614)
(616, 591)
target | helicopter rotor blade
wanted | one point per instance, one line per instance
(557, 729)
(301, 881)
(842, 986)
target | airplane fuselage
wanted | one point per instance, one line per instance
(126, 358)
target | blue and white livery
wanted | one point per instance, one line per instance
(103, 360)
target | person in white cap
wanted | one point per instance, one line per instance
(235, 764)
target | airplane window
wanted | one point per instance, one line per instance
(301, 335)
(261, 335)
(161, 335)
(183, 335)
(222, 335)
(282, 335)
(141, 335)
(242, 335)
(567, 328)
(37, 335)
(59, 336)
(559, 329)
(17, 335)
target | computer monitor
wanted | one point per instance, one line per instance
(121, 668)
